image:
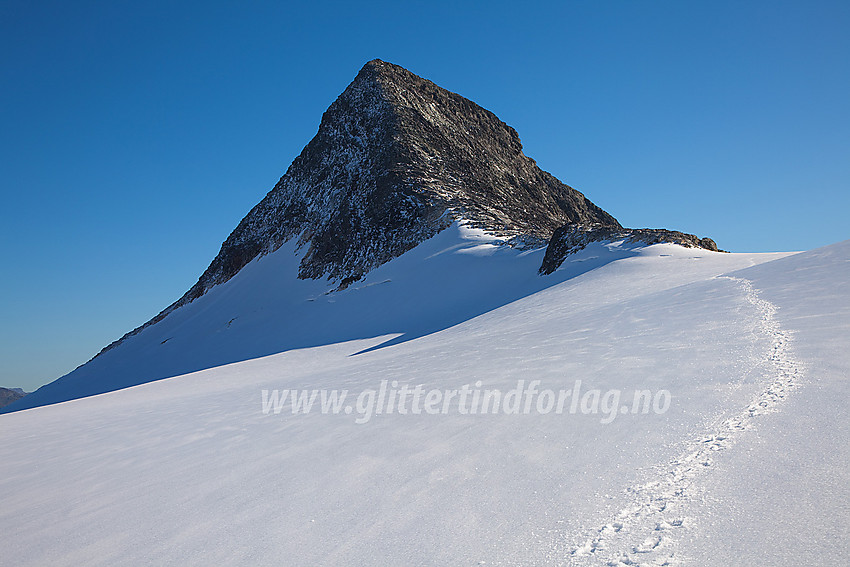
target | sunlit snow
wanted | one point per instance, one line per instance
(748, 466)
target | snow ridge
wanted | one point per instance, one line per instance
(644, 532)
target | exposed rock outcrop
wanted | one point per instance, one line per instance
(571, 238)
(9, 395)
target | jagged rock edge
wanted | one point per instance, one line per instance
(571, 238)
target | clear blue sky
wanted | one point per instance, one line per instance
(135, 135)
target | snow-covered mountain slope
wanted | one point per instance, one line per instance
(266, 309)
(396, 162)
(747, 465)
(781, 497)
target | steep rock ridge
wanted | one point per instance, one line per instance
(395, 161)
(571, 238)
(473, 161)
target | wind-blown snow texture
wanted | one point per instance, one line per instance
(266, 309)
(748, 467)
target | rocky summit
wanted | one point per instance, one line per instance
(396, 160)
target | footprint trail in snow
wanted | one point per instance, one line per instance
(644, 532)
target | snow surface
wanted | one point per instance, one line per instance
(265, 309)
(748, 466)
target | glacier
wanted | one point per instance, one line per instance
(748, 466)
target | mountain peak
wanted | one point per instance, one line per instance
(395, 161)
(396, 158)
(386, 70)
(380, 65)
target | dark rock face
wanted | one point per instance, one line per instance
(571, 238)
(395, 161)
(7, 396)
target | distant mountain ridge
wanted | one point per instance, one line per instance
(10, 395)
